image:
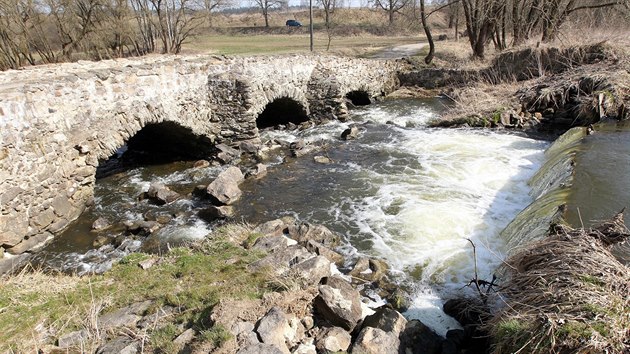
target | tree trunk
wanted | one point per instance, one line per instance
(266, 15)
(429, 58)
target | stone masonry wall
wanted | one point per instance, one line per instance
(58, 121)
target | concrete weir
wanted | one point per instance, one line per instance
(58, 121)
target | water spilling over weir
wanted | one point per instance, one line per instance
(401, 191)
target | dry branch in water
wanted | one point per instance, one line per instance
(567, 294)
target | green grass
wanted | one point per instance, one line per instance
(193, 280)
(512, 332)
(290, 43)
(217, 335)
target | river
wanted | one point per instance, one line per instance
(401, 191)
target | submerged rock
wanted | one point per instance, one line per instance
(101, 224)
(217, 212)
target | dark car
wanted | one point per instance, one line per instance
(293, 23)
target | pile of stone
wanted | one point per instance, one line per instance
(314, 309)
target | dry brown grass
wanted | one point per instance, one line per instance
(566, 294)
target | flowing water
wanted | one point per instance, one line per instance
(401, 191)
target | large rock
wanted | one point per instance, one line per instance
(281, 260)
(275, 227)
(313, 269)
(161, 194)
(350, 133)
(369, 269)
(226, 154)
(274, 328)
(338, 303)
(224, 189)
(333, 339)
(417, 338)
(305, 232)
(217, 212)
(319, 249)
(387, 319)
(271, 243)
(376, 341)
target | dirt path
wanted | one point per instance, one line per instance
(399, 51)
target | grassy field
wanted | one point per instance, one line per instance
(291, 43)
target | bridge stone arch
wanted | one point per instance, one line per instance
(56, 129)
(283, 110)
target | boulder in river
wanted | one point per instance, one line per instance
(217, 212)
(101, 224)
(224, 189)
(369, 269)
(227, 154)
(201, 164)
(350, 133)
(161, 194)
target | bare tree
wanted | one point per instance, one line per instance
(210, 6)
(392, 7)
(329, 7)
(145, 42)
(481, 21)
(266, 5)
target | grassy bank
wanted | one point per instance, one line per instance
(35, 307)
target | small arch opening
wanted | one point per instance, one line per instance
(281, 111)
(156, 144)
(359, 98)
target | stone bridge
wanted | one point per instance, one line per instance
(57, 122)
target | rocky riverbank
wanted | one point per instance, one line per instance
(536, 90)
(273, 288)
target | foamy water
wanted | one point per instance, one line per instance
(424, 193)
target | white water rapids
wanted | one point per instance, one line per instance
(424, 193)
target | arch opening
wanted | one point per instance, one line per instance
(154, 144)
(359, 98)
(281, 111)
